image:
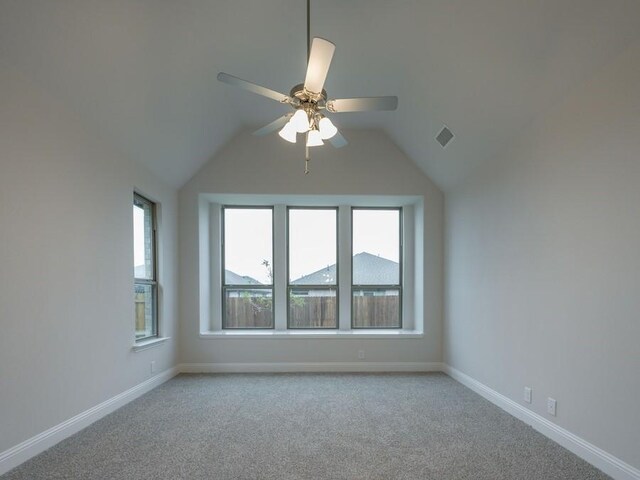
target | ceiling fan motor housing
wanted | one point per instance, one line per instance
(305, 96)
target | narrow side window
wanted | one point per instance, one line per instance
(145, 268)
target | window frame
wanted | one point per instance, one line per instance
(153, 281)
(224, 286)
(375, 287)
(290, 287)
(415, 218)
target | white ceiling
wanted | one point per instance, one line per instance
(142, 73)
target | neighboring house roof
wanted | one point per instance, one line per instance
(367, 270)
(232, 278)
(321, 277)
(139, 271)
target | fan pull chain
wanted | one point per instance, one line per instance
(306, 160)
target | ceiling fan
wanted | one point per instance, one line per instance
(310, 102)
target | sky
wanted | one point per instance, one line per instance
(312, 239)
(138, 236)
(248, 242)
(377, 232)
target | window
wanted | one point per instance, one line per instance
(376, 246)
(247, 256)
(312, 267)
(145, 268)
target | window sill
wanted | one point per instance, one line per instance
(145, 344)
(298, 334)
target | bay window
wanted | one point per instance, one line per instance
(310, 266)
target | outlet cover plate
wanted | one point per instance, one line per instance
(527, 394)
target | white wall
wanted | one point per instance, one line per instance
(543, 264)
(370, 165)
(66, 256)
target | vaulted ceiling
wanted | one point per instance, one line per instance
(142, 73)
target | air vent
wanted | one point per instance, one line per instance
(445, 136)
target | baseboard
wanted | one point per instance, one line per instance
(597, 457)
(22, 452)
(288, 367)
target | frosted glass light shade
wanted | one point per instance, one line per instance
(288, 133)
(314, 139)
(300, 121)
(327, 129)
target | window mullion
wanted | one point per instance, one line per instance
(280, 267)
(408, 268)
(215, 278)
(344, 272)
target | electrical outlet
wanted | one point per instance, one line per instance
(153, 366)
(551, 406)
(527, 394)
(361, 354)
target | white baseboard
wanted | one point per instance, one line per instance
(22, 452)
(310, 367)
(597, 457)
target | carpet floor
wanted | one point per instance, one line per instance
(308, 426)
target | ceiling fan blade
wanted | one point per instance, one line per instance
(277, 124)
(252, 87)
(319, 62)
(338, 140)
(363, 104)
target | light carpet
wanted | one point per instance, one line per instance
(308, 426)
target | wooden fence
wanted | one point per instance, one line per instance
(313, 312)
(141, 313)
(249, 312)
(376, 312)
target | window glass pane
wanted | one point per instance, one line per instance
(248, 308)
(376, 247)
(142, 239)
(376, 308)
(145, 310)
(312, 308)
(312, 246)
(248, 246)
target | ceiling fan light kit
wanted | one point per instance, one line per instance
(314, 139)
(300, 121)
(309, 100)
(327, 129)
(288, 133)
